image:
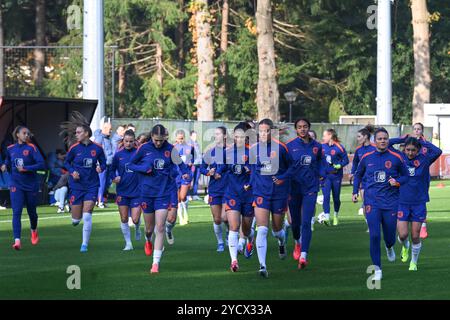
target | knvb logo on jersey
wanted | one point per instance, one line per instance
(380, 176)
(328, 158)
(18, 162)
(412, 171)
(87, 163)
(237, 169)
(127, 170)
(158, 164)
(306, 160)
(266, 167)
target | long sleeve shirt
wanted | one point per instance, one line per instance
(334, 155)
(26, 156)
(129, 180)
(83, 158)
(155, 166)
(377, 168)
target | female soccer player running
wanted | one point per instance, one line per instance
(24, 160)
(186, 152)
(269, 161)
(305, 170)
(155, 161)
(127, 187)
(365, 146)
(417, 133)
(335, 159)
(214, 157)
(384, 171)
(238, 196)
(84, 161)
(414, 196)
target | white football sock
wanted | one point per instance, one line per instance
(261, 244)
(280, 235)
(241, 242)
(303, 255)
(126, 232)
(416, 251)
(251, 236)
(169, 226)
(87, 227)
(218, 232)
(157, 256)
(76, 221)
(424, 224)
(233, 237)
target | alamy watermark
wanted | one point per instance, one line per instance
(74, 280)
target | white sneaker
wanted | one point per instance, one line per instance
(390, 254)
(101, 205)
(360, 212)
(2, 208)
(67, 208)
(196, 198)
(189, 198)
(128, 247)
(60, 210)
(378, 275)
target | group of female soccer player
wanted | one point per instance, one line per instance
(253, 179)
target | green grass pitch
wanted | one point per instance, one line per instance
(192, 269)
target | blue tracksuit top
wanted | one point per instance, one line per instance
(332, 155)
(415, 190)
(238, 169)
(268, 160)
(29, 157)
(129, 180)
(376, 168)
(84, 159)
(359, 152)
(306, 166)
(214, 158)
(155, 166)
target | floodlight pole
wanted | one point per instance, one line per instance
(384, 63)
(93, 57)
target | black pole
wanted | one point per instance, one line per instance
(290, 112)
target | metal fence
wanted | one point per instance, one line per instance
(205, 129)
(50, 71)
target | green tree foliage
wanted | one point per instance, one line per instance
(324, 51)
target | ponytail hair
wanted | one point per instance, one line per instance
(334, 135)
(68, 128)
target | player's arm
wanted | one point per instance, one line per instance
(433, 152)
(359, 174)
(286, 157)
(101, 160)
(355, 163)
(114, 167)
(39, 161)
(399, 140)
(343, 160)
(404, 173)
